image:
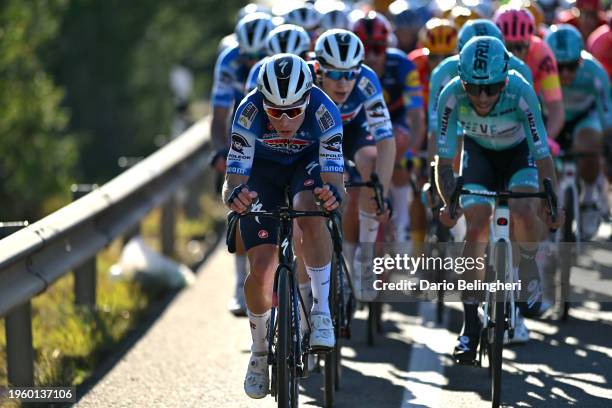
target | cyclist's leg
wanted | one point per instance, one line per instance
(316, 250)
(526, 231)
(400, 185)
(588, 139)
(237, 305)
(478, 174)
(260, 237)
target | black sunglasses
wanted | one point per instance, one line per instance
(489, 89)
(568, 66)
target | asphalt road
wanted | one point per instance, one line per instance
(196, 353)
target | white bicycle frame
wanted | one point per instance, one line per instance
(500, 232)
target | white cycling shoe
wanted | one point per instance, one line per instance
(322, 336)
(363, 281)
(521, 333)
(257, 379)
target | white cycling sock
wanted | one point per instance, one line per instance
(259, 331)
(368, 227)
(401, 215)
(240, 264)
(306, 293)
(589, 192)
(319, 280)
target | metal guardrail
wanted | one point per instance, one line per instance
(69, 239)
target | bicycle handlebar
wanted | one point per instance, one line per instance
(374, 184)
(282, 212)
(548, 194)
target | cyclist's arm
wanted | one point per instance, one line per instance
(379, 123)
(331, 159)
(604, 99)
(413, 102)
(555, 118)
(218, 126)
(551, 93)
(446, 141)
(435, 89)
(222, 99)
(533, 125)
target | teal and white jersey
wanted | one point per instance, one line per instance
(447, 70)
(515, 116)
(589, 90)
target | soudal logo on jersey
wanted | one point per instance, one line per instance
(239, 143)
(247, 115)
(325, 119)
(333, 143)
(367, 88)
(291, 145)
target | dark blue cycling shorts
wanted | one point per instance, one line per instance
(269, 180)
(356, 136)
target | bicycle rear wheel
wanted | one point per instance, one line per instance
(496, 333)
(287, 382)
(566, 256)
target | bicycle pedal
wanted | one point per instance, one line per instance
(320, 350)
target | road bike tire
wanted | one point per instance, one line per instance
(371, 327)
(499, 324)
(331, 362)
(286, 363)
(566, 256)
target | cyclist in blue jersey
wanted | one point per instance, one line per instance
(368, 141)
(286, 38)
(505, 141)
(404, 98)
(231, 71)
(588, 118)
(285, 133)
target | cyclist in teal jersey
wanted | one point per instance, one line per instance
(588, 117)
(448, 69)
(505, 141)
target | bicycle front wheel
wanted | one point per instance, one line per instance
(285, 353)
(496, 336)
(566, 255)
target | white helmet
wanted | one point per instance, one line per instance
(284, 79)
(335, 18)
(252, 8)
(340, 49)
(288, 38)
(252, 32)
(304, 16)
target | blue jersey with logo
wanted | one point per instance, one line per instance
(253, 135)
(515, 117)
(251, 82)
(367, 94)
(447, 70)
(230, 77)
(402, 88)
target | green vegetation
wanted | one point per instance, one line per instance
(83, 82)
(69, 342)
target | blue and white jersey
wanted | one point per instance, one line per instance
(515, 117)
(254, 136)
(447, 70)
(368, 95)
(230, 77)
(251, 82)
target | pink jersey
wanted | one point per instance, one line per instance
(541, 61)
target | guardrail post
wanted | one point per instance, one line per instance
(19, 351)
(168, 226)
(85, 275)
(18, 331)
(124, 163)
